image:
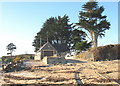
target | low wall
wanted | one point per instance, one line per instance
(54, 60)
(108, 52)
(37, 56)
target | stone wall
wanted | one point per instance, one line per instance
(54, 60)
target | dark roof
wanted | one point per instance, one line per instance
(47, 46)
(61, 47)
(56, 47)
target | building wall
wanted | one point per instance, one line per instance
(47, 47)
(37, 56)
(40, 55)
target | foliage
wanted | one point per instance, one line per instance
(7, 59)
(23, 57)
(11, 47)
(91, 19)
(31, 57)
(27, 58)
(3, 57)
(55, 30)
(77, 36)
(82, 46)
(18, 58)
(58, 31)
(108, 52)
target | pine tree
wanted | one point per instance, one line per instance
(92, 20)
(55, 29)
(10, 47)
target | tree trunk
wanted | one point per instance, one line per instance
(95, 41)
(11, 53)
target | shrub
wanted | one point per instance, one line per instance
(82, 46)
(108, 52)
(18, 58)
(7, 60)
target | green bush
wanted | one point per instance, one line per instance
(18, 58)
(82, 46)
(3, 58)
(7, 60)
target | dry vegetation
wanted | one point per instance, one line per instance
(108, 52)
(103, 72)
(89, 72)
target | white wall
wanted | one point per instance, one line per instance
(37, 56)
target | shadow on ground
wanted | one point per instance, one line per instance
(75, 61)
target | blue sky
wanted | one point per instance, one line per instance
(20, 21)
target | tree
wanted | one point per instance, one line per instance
(58, 31)
(55, 30)
(78, 40)
(82, 45)
(11, 47)
(77, 36)
(92, 20)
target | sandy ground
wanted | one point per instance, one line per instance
(103, 72)
(1, 77)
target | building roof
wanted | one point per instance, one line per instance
(47, 46)
(56, 47)
(61, 47)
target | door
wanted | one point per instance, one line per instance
(48, 53)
